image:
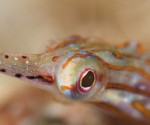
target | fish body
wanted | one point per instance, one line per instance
(115, 78)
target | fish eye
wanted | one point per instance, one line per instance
(81, 75)
(86, 81)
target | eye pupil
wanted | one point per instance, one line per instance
(88, 79)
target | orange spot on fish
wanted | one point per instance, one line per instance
(63, 88)
(140, 49)
(123, 44)
(118, 55)
(148, 61)
(55, 58)
(49, 78)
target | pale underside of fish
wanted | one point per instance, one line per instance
(114, 78)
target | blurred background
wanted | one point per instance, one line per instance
(28, 27)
